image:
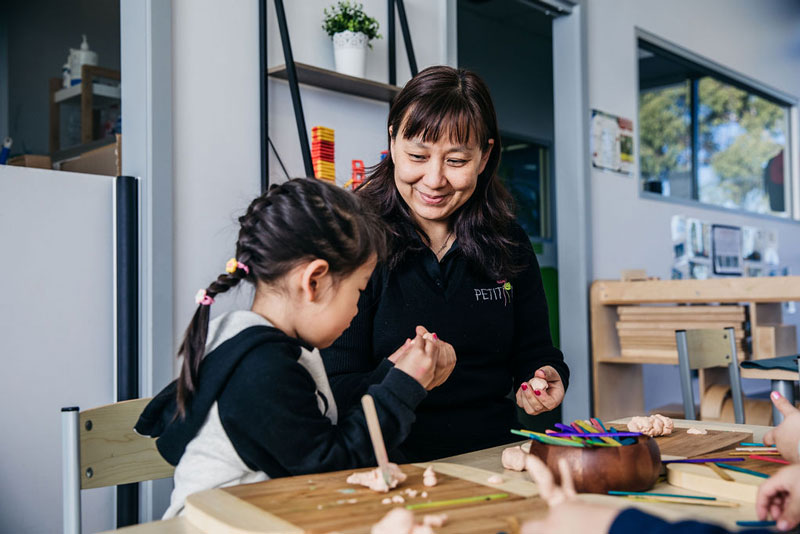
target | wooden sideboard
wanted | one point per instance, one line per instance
(617, 380)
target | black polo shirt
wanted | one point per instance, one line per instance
(498, 328)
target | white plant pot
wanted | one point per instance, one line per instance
(350, 53)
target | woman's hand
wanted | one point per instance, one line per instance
(785, 436)
(418, 360)
(779, 498)
(567, 513)
(547, 399)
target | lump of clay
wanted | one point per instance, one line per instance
(495, 479)
(429, 477)
(698, 431)
(434, 520)
(538, 384)
(513, 458)
(374, 479)
(655, 425)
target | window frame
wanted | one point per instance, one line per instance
(649, 41)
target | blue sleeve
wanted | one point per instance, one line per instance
(633, 521)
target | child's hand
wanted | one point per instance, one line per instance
(785, 436)
(418, 360)
(779, 498)
(567, 513)
(546, 399)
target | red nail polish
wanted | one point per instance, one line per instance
(524, 386)
(537, 392)
(435, 336)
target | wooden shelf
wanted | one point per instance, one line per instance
(103, 93)
(328, 79)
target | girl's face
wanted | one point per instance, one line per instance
(336, 307)
(435, 179)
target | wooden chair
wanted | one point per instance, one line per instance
(701, 349)
(100, 448)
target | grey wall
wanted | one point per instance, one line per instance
(57, 335)
(757, 39)
(40, 34)
(510, 45)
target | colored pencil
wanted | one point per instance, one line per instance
(680, 500)
(768, 459)
(646, 494)
(748, 444)
(702, 460)
(756, 523)
(606, 434)
(742, 470)
(720, 473)
(544, 438)
(451, 502)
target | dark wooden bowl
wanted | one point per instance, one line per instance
(601, 469)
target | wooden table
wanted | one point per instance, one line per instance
(782, 381)
(214, 510)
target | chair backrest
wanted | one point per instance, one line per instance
(100, 448)
(112, 453)
(704, 348)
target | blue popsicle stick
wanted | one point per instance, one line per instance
(746, 444)
(756, 523)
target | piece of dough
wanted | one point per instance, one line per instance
(434, 520)
(655, 425)
(429, 477)
(374, 479)
(397, 521)
(698, 431)
(538, 384)
(495, 479)
(513, 458)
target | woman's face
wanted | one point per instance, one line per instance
(435, 179)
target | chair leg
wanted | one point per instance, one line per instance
(736, 381)
(686, 375)
(70, 470)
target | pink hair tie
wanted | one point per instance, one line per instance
(234, 264)
(203, 299)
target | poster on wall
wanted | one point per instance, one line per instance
(612, 142)
(726, 242)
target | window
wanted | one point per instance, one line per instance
(707, 137)
(525, 173)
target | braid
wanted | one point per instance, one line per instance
(296, 221)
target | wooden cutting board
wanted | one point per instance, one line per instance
(679, 443)
(323, 503)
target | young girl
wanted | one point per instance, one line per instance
(253, 401)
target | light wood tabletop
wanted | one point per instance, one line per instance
(217, 510)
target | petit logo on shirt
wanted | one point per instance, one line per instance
(503, 291)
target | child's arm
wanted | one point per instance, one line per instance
(271, 415)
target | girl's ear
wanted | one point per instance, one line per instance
(485, 155)
(311, 279)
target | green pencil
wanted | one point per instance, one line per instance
(741, 470)
(645, 494)
(450, 502)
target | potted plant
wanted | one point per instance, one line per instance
(352, 30)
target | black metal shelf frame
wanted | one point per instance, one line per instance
(294, 87)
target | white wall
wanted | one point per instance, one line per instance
(57, 335)
(216, 118)
(757, 39)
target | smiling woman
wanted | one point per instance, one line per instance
(459, 269)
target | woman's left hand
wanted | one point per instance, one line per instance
(547, 399)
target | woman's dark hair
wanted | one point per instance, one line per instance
(300, 220)
(443, 101)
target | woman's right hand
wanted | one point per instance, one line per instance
(785, 436)
(417, 359)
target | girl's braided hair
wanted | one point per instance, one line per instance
(299, 220)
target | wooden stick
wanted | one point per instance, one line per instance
(376, 437)
(767, 459)
(742, 470)
(722, 474)
(681, 500)
(450, 502)
(749, 453)
(648, 494)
